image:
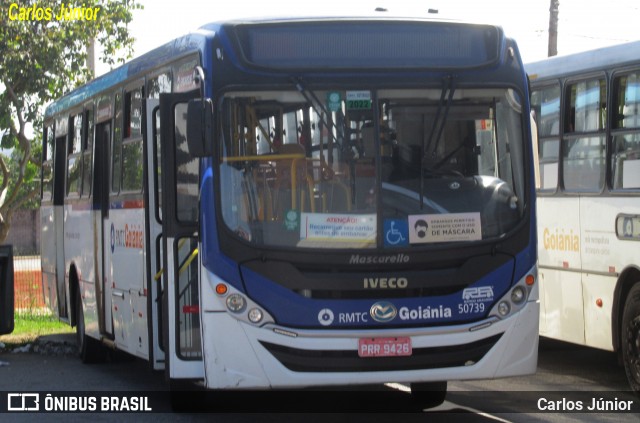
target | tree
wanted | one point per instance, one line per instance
(41, 58)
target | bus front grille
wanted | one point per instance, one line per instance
(360, 294)
(300, 360)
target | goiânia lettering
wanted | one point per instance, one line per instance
(561, 241)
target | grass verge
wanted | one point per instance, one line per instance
(30, 325)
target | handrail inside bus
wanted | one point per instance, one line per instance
(192, 255)
(265, 158)
(188, 261)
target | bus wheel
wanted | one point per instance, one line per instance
(428, 394)
(631, 338)
(89, 349)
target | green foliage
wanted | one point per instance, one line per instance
(31, 180)
(40, 60)
(38, 323)
(29, 326)
(47, 58)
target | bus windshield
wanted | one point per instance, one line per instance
(361, 169)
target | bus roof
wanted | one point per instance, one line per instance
(195, 41)
(577, 63)
(141, 64)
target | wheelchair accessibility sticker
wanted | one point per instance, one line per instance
(396, 233)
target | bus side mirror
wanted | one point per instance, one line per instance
(534, 146)
(200, 127)
(6, 289)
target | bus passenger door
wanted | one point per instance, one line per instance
(154, 239)
(59, 190)
(179, 180)
(102, 239)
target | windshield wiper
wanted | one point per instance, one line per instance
(448, 90)
(315, 103)
(322, 111)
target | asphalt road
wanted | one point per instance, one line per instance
(566, 374)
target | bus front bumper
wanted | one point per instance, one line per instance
(238, 355)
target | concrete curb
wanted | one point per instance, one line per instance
(58, 338)
(55, 344)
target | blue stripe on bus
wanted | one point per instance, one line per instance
(160, 56)
(127, 204)
(84, 93)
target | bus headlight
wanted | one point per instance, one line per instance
(516, 298)
(255, 315)
(504, 308)
(518, 294)
(236, 303)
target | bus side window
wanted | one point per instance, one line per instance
(116, 152)
(158, 85)
(187, 171)
(87, 154)
(583, 144)
(47, 163)
(625, 158)
(132, 144)
(74, 163)
(546, 104)
(133, 113)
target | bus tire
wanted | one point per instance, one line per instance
(428, 394)
(89, 349)
(631, 338)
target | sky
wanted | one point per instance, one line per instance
(583, 24)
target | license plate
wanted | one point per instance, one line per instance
(384, 347)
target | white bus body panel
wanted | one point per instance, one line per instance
(79, 253)
(560, 262)
(603, 257)
(577, 292)
(234, 357)
(48, 256)
(52, 263)
(125, 293)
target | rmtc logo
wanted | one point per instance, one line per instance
(357, 317)
(325, 317)
(385, 283)
(481, 292)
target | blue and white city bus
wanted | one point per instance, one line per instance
(300, 203)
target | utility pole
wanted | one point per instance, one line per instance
(553, 28)
(91, 57)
